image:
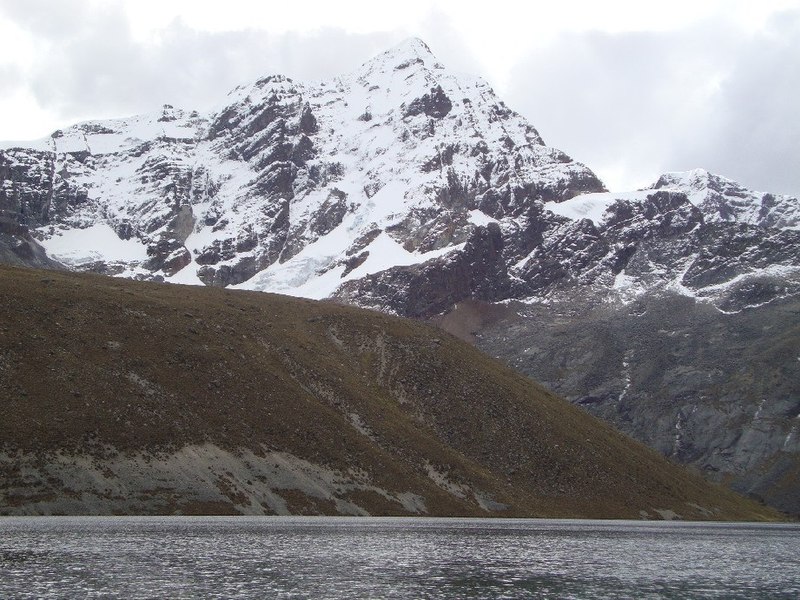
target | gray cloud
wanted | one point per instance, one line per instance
(644, 103)
(54, 20)
(94, 65)
(756, 134)
(449, 45)
(11, 77)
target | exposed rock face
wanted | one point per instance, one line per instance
(22, 206)
(403, 188)
(717, 391)
(476, 271)
(18, 247)
(435, 104)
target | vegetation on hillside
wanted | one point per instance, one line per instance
(101, 369)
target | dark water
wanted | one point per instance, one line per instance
(242, 557)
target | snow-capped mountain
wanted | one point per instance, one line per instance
(291, 187)
(407, 188)
(371, 187)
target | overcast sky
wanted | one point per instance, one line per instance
(630, 88)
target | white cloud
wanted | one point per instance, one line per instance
(91, 65)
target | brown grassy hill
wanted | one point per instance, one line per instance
(127, 397)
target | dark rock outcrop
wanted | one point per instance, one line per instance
(422, 291)
(434, 104)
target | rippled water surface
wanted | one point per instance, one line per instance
(274, 557)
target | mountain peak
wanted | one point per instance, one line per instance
(412, 47)
(701, 179)
(408, 52)
(723, 199)
(417, 44)
(695, 176)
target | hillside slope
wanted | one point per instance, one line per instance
(124, 397)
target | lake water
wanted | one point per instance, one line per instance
(276, 557)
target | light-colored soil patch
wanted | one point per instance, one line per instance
(192, 480)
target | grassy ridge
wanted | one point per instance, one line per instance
(101, 367)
